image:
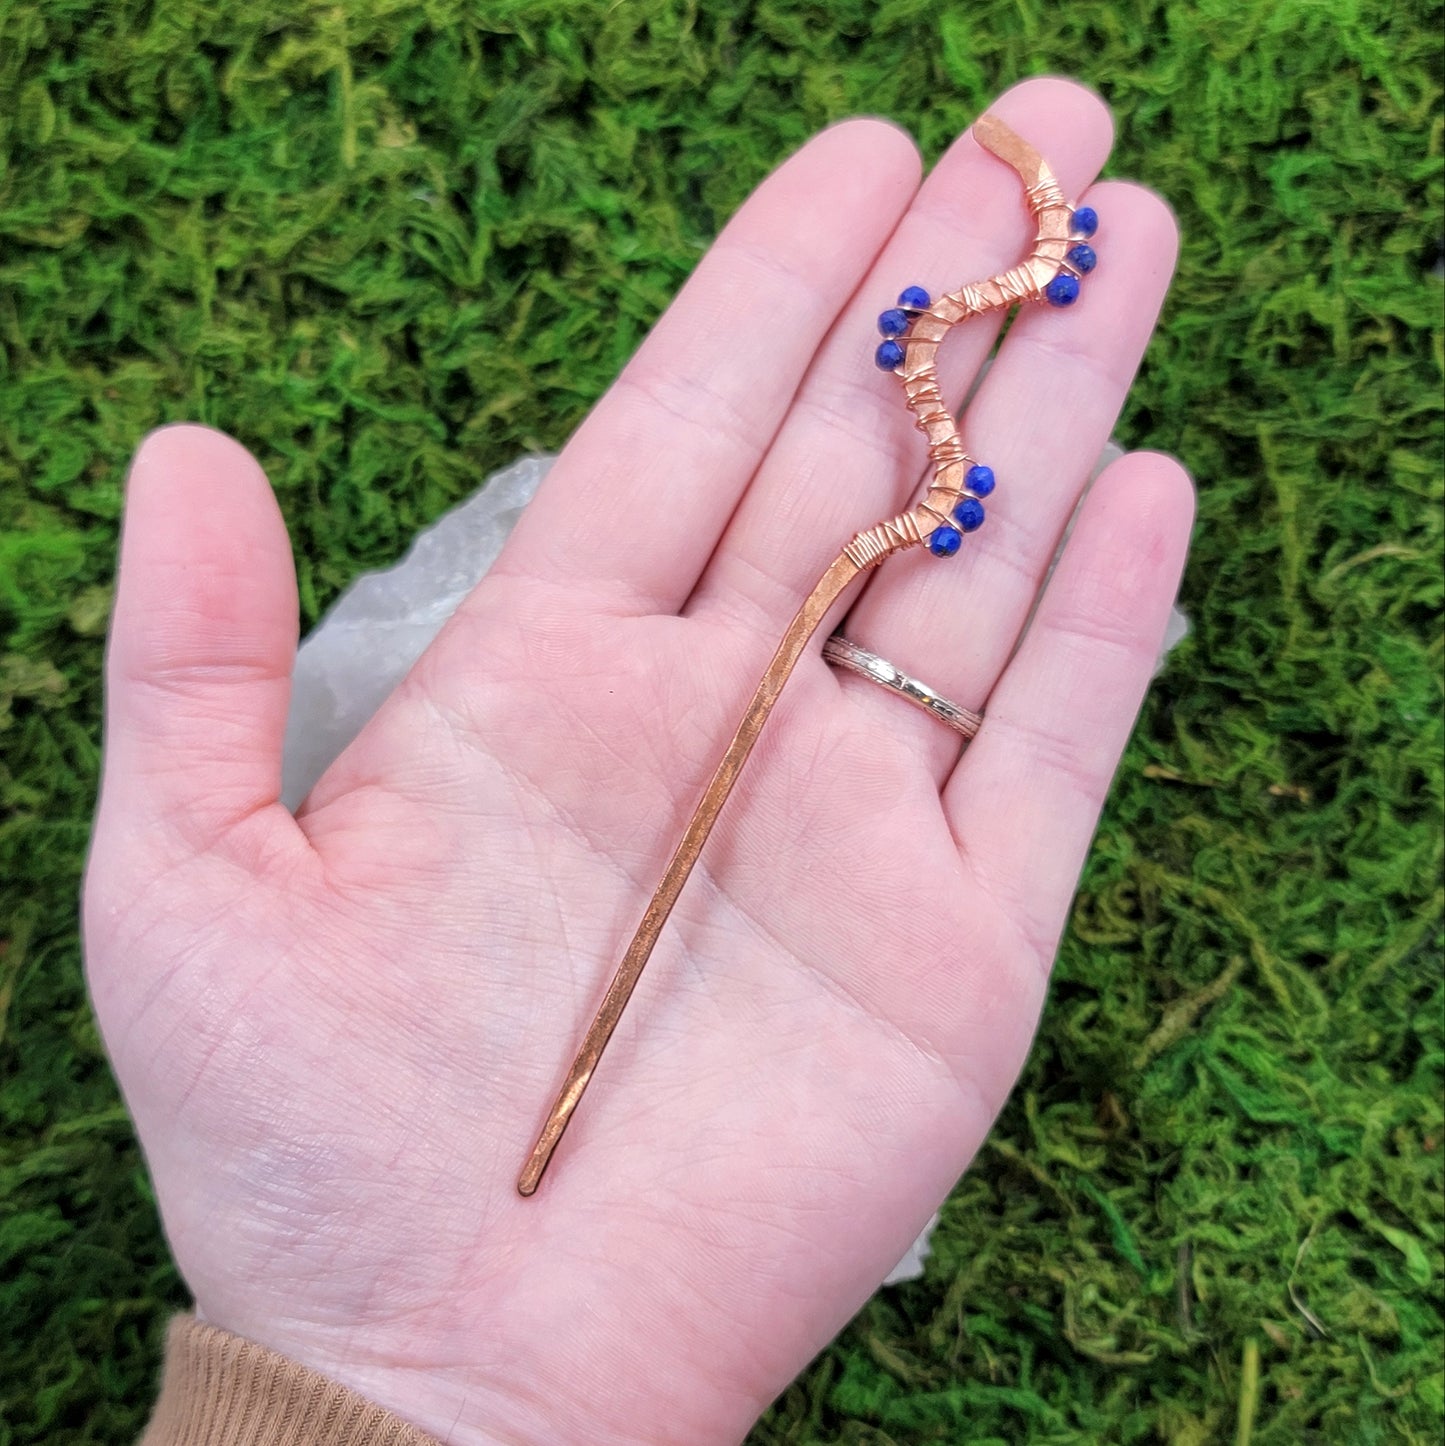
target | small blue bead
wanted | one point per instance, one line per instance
(1086, 221)
(944, 541)
(969, 514)
(889, 356)
(893, 323)
(980, 480)
(1082, 258)
(915, 298)
(1061, 291)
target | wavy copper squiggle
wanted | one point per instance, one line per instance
(919, 375)
(919, 371)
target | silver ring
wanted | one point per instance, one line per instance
(846, 654)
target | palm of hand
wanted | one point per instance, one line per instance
(338, 1033)
(364, 1095)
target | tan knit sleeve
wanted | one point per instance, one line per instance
(221, 1390)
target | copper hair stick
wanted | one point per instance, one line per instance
(951, 507)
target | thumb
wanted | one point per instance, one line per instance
(202, 643)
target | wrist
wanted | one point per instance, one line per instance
(219, 1389)
(282, 1387)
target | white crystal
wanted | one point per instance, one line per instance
(383, 622)
(911, 1266)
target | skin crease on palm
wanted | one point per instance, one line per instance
(338, 1033)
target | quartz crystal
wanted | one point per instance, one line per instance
(383, 622)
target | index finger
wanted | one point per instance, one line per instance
(634, 506)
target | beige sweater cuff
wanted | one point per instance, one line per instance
(221, 1390)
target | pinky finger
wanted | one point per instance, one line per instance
(1024, 800)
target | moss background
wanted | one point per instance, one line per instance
(394, 243)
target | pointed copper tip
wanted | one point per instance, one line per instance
(541, 1155)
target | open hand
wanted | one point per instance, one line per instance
(339, 1032)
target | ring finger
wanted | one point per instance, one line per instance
(1040, 419)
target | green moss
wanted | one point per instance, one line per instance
(390, 247)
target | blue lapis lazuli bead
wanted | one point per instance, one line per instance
(914, 298)
(1086, 221)
(893, 322)
(1061, 291)
(889, 356)
(969, 514)
(1082, 258)
(944, 541)
(980, 480)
